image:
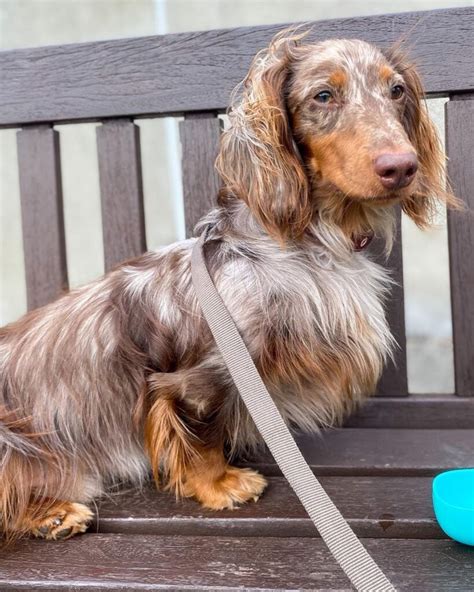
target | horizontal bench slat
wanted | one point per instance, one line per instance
(390, 507)
(111, 562)
(415, 412)
(178, 73)
(352, 451)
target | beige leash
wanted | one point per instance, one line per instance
(346, 548)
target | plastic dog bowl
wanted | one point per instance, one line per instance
(453, 502)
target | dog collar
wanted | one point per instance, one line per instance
(361, 241)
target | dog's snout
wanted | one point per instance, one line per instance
(396, 170)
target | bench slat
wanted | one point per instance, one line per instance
(121, 188)
(42, 214)
(390, 507)
(174, 74)
(200, 136)
(394, 381)
(110, 562)
(352, 451)
(460, 148)
(416, 411)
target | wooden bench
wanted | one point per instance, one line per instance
(378, 468)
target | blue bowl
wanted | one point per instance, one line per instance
(453, 502)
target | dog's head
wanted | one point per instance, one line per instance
(337, 126)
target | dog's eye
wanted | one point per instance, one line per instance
(397, 92)
(324, 97)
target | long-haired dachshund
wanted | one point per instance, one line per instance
(123, 376)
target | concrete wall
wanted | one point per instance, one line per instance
(41, 22)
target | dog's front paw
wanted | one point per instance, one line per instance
(61, 521)
(235, 486)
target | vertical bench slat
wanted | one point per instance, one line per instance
(460, 148)
(200, 135)
(394, 381)
(42, 214)
(121, 188)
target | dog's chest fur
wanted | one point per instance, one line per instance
(312, 318)
(315, 326)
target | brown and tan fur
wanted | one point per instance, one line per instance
(122, 376)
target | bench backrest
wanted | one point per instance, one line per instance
(193, 74)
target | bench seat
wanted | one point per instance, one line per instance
(379, 478)
(379, 468)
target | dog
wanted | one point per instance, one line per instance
(122, 377)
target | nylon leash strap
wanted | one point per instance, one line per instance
(344, 545)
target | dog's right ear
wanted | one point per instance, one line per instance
(258, 159)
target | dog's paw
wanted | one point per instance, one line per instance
(62, 521)
(236, 486)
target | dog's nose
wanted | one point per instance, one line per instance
(396, 170)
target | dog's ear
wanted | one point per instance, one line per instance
(431, 186)
(258, 160)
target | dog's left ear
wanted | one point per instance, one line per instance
(258, 160)
(432, 186)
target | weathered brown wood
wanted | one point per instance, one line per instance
(121, 189)
(390, 507)
(460, 148)
(416, 411)
(200, 134)
(197, 71)
(394, 381)
(352, 451)
(42, 214)
(123, 562)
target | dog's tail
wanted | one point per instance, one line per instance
(24, 464)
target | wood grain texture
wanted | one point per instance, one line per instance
(394, 381)
(111, 562)
(121, 188)
(184, 72)
(416, 411)
(460, 149)
(42, 214)
(353, 451)
(200, 135)
(390, 507)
